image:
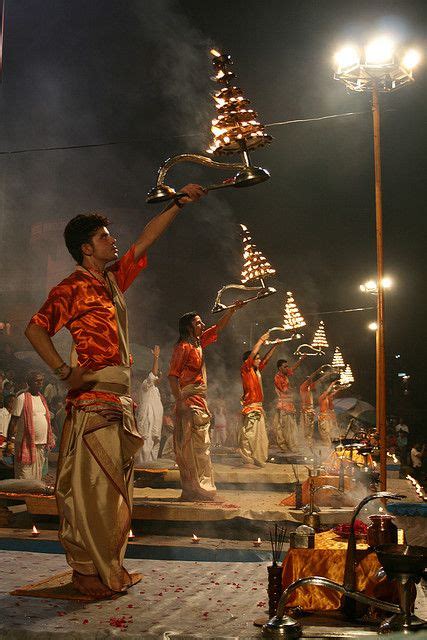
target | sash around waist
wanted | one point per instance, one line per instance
(111, 380)
(193, 390)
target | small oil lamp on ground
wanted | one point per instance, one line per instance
(254, 271)
(235, 130)
(35, 532)
(257, 542)
(195, 539)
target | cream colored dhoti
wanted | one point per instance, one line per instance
(253, 439)
(192, 447)
(95, 481)
(326, 424)
(286, 430)
(307, 425)
(32, 471)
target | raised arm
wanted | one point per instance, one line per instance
(156, 355)
(257, 346)
(158, 225)
(268, 355)
(299, 362)
(225, 319)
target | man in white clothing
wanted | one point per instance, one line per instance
(150, 414)
(31, 429)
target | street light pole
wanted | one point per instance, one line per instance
(380, 405)
(380, 67)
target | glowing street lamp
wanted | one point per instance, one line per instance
(379, 67)
(371, 286)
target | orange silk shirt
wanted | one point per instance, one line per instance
(285, 399)
(252, 385)
(305, 390)
(187, 362)
(82, 304)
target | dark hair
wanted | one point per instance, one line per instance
(184, 326)
(280, 362)
(32, 374)
(246, 355)
(80, 230)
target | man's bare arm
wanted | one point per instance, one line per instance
(173, 383)
(156, 354)
(268, 355)
(158, 225)
(42, 343)
(257, 346)
(299, 362)
(225, 319)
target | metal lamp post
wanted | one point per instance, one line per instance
(378, 68)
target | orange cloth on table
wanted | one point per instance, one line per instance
(285, 401)
(83, 304)
(322, 498)
(252, 385)
(333, 462)
(188, 366)
(327, 559)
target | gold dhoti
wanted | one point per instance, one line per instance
(192, 446)
(95, 480)
(253, 440)
(307, 425)
(325, 426)
(286, 430)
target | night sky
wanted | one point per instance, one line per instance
(138, 74)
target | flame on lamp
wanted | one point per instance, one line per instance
(338, 360)
(292, 318)
(241, 130)
(319, 339)
(255, 265)
(35, 532)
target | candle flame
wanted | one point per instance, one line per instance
(35, 530)
(131, 534)
(195, 537)
(259, 540)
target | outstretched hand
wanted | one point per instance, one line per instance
(193, 193)
(156, 351)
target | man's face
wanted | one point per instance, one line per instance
(197, 326)
(35, 383)
(102, 246)
(257, 360)
(284, 368)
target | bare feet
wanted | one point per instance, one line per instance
(91, 586)
(135, 578)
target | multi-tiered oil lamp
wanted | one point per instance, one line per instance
(254, 271)
(292, 321)
(346, 376)
(338, 360)
(235, 130)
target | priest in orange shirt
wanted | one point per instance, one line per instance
(99, 437)
(188, 383)
(285, 419)
(253, 440)
(327, 421)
